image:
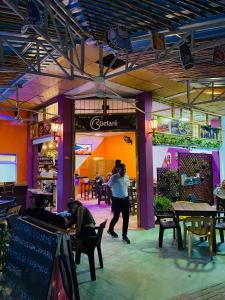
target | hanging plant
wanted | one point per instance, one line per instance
(182, 140)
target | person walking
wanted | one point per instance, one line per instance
(119, 183)
(116, 167)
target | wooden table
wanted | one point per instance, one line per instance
(39, 192)
(194, 209)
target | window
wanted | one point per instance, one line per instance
(48, 112)
(51, 110)
(8, 168)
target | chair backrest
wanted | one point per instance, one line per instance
(100, 232)
(8, 187)
(163, 213)
(14, 210)
(199, 225)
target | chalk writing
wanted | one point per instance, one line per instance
(35, 234)
(13, 269)
(32, 247)
(30, 261)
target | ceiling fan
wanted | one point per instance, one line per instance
(16, 109)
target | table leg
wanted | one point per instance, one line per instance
(214, 236)
(81, 189)
(179, 236)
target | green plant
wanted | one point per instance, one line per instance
(169, 184)
(4, 242)
(184, 140)
(162, 203)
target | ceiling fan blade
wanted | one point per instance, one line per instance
(6, 117)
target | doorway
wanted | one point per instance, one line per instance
(95, 153)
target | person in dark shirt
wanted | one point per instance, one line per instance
(82, 218)
(39, 212)
(116, 167)
(99, 187)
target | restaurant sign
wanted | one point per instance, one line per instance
(105, 122)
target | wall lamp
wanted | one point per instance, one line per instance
(153, 124)
(54, 128)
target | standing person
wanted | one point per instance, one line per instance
(116, 167)
(114, 171)
(47, 172)
(119, 183)
(47, 185)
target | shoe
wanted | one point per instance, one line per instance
(112, 233)
(125, 239)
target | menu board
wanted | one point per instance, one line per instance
(30, 261)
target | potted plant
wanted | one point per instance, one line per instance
(162, 203)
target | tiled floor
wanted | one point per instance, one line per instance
(142, 271)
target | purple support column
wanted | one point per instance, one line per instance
(145, 163)
(65, 148)
(216, 168)
(32, 165)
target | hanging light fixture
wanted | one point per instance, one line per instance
(153, 124)
(54, 128)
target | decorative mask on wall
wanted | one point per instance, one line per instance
(128, 140)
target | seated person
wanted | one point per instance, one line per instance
(39, 212)
(219, 192)
(108, 175)
(82, 218)
(99, 187)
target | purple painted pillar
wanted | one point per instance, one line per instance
(216, 168)
(145, 163)
(65, 148)
(32, 165)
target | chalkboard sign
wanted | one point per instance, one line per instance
(30, 261)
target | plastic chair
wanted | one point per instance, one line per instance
(183, 218)
(88, 247)
(199, 226)
(167, 220)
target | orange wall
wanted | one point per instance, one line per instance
(112, 148)
(13, 139)
(116, 148)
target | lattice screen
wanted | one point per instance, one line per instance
(168, 183)
(192, 163)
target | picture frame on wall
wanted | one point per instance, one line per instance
(163, 125)
(83, 149)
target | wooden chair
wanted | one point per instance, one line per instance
(132, 194)
(167, 220)
(201, 227)
(88, 247)
(92, 188)
(8, 189)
